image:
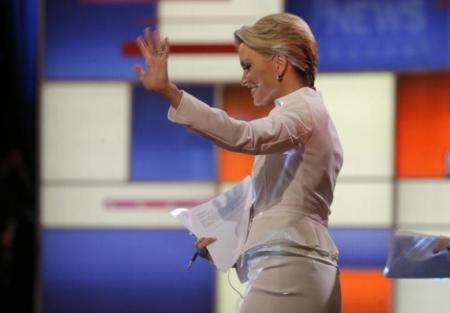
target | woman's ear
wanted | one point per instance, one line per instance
(281, 64)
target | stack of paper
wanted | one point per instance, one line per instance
(225, 218)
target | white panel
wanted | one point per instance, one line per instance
(205, 68)
(424, 202)
(362, 107)
(422, 295)
(127, 205)
(210, 21)
(362, 204)
(227, 299)
(443, 230)
(85, 130)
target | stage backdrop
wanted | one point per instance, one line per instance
(113, 166)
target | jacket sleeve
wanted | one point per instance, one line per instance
(284, 128)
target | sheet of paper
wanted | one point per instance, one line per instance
(226, 218)
(411, 256)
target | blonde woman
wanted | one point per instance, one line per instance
(289, 259)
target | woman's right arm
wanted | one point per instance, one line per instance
(283, 129)
(277, 132)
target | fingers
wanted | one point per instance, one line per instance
(204, 242)
(156, 41)
(149, 40)
(153, 41)
(151, 45)
(166, 45)
(441, 244)
(143, 47)
(138, 70)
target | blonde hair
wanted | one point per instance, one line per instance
(284, 34)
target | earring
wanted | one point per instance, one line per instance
(279, 77)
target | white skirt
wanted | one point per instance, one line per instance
(291, 284)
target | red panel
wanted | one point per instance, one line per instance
(238, 103)
(423, 125)
(131, 49)
(365, 291)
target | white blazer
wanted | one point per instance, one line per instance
(298, 158)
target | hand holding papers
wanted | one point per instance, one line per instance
(226, 218)
(412, 256)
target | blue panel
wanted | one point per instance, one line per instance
(362, 247)
(84, 41)
(378, 34)
(162, 150)
(131, 271)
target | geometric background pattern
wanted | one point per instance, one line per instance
(113, 166)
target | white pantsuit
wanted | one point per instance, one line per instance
(289, 258)
(291, 284)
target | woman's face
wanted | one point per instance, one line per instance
(259, 75)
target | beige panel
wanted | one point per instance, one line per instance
(210, 21)
(123, 206)
(362, 107)
(360, 204)
(85, 130)
(424, 202)
(422, 295)
(207, 68)
(443, 230)
(227, 299)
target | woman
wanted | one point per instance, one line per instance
(289, 258)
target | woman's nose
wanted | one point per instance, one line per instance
(244, 80)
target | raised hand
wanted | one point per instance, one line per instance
(155, 53)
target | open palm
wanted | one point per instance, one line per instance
(155, 53)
